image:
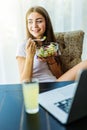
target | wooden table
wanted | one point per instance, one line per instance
(14, 117)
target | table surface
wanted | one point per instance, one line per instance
(14, 117)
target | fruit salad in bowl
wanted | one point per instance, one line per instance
(47, 50)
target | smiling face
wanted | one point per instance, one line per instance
(36, 24)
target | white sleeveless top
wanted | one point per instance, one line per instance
(40, 69)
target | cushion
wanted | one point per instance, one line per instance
(70, 45)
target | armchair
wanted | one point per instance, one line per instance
(70, 45)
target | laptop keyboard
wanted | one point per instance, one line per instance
(64, 104)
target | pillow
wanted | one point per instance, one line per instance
(70, 45)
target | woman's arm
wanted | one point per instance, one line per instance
(25, 68)
(26, 64)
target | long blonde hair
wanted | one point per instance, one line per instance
(49, 29)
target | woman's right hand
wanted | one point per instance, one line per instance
(30, 48)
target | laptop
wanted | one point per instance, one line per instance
(68, 103)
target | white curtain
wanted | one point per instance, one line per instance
(66, 15)
(10, 35)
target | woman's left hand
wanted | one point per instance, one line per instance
(47, 59)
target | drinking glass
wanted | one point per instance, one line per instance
(31, 94)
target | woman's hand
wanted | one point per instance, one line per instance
(47, 59)
(30, 48)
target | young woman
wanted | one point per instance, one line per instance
(38, 25)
